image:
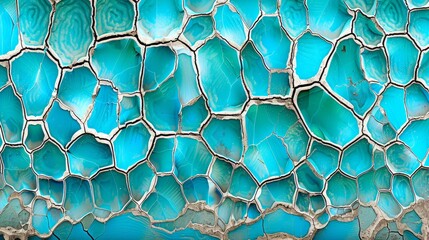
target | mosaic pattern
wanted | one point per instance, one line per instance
(214, 119)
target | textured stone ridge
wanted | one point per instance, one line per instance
(214, 119)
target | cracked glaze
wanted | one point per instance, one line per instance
(214, 119)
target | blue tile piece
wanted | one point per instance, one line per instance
(11, 115)
(77, 89)
(87, 155)
(319, 119)
(34, 75)
(220, 76)
(34, 21)
(224, 138)
(9, 26)
(113, 17)
(119, 61)
(71, 24)
(128, 155)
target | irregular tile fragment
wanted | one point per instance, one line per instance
(198, 7)
(112, 17)
(248, 10)
(130, 109)
(193, 116)
(311, 52)
(104, 115)
(162, 154)
(368, 191)
(201, 189)
(78, 200)
(127, 155)
(191, 157)
(17, 168)
(87, 155)
(44, 218)
(255, 73)
(9, 27)
(357, 158)
(50, 161)
(388, 205)
(119, 61)
(417, 3)
(167, 201)
(77, 89)
(140, 180)
(268, 159)
(220, 76)
(379, 126)
(416, 101)
(221, 173)
(308, 180)
(173, 94)
(14, 215)
(198, 29)
(329, 18)
(423, 71)
(242, 184)
(166, 117)
(71, 34)
(367, 29)
(110, 190)
(230, 26)
(35, 135)
(267, 136)
(34, 21)
(293, 14)
(402, 190)
(346, 78)
(420, 180)
(264, 120)
(4, 78)
(403, 57)
(394, 107)
(11, 115)
(415, 137)
(52, 189)
(225, 138)
(341, 190)
(277, 192)
(419, 21)
(323, 158)
(319, 114)
(374, 66)
(159, 21)
(413, 221)
(280, 221)
(34, 75)
(366, 6)
(272, 42)
(401, 160)
(392, 15)
(154, 72)
(61, 124)
(383, 178)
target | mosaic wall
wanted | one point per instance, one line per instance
(227, 119)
